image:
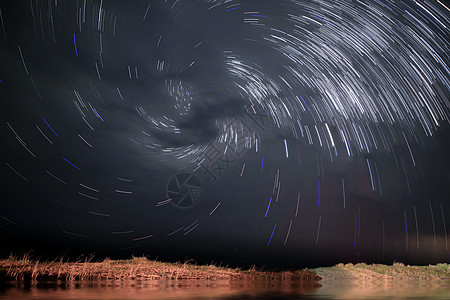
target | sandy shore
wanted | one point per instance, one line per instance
(397, 271)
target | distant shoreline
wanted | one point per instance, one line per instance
(397, 271)
(25, 270)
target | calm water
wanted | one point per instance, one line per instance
(224, 290)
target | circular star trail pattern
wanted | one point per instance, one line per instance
(311, 132)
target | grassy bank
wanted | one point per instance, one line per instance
(397, 271)
(25, 269)
(133, 269)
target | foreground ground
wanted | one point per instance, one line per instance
(142, 268)
(136, 268)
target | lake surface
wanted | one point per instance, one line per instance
(201, 289)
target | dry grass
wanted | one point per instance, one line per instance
(141, 268)
(396, 271)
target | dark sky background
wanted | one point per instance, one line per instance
(278, 133)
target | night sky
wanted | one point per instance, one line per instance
(281, 133)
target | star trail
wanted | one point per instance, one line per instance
(287, 132)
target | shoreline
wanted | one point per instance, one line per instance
(381, 272)
(13, 269)
(142, 269)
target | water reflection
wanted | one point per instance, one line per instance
(183, 289)
(202, 289)
(389, 289)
